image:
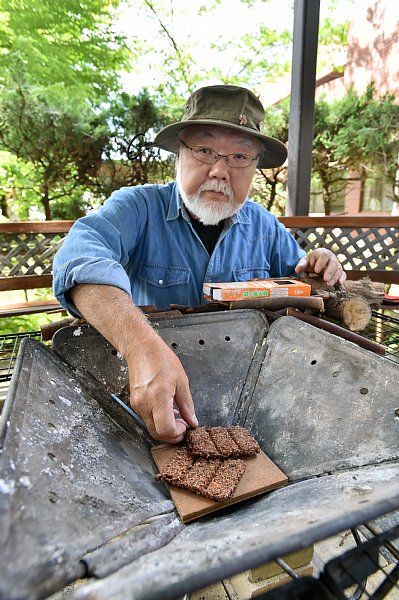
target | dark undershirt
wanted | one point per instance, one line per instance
(208, 234)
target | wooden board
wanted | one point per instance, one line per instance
(261, 475)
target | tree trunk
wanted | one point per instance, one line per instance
(3, 205)
(46, 200)
(354, 311)
(372, 291)
(327, 201)
(350, 303)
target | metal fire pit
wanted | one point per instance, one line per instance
(78, 496)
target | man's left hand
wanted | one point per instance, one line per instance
(325, 263)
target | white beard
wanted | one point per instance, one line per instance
(209, 212)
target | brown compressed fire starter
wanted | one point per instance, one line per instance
(223, 485)
(223, 442)
(176, 469)
(211, 478)
(200, 443)
(246, 442)
(208, 465)
(201, 474)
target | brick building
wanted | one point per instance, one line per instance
(372, 56)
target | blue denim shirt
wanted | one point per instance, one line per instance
(142, 241)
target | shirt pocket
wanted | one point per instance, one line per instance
(163, 285)
(164, 276)
(251, 273)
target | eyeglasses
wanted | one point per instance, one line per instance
(210, 157)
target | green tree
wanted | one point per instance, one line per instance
(357, 135)
(130, 159)
(59, 141)
(185, 61)
(368, 141)
(328, 174)
(74, 157)
(17, 181)
(72, 44)
(269, 185)
(181, 60)
(59, 62)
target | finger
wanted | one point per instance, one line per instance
(159, 418)
(167, 428)
(143, 402)
(339, 278)
(330, 282)
(178, 417)
(302, 265)
(185, 404)
(331, 273)
(322, 264)
(334, 273)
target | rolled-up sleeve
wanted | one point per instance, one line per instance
(96, 249)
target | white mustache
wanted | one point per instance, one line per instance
(216, 186)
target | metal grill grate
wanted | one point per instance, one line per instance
(369, 570)
(9, 346)
(384, 329)
(379, 555)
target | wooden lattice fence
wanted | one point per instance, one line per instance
(363, 245)
(27, 251)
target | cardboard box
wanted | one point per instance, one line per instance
(255, 288)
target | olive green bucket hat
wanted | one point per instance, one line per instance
(227, 106)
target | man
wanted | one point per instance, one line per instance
(157, 244)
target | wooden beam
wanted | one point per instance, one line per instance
(36, 226)
(25, 282)
(386, 276)
(333, 221)
(31, 308)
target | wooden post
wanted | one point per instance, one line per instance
(303, 84)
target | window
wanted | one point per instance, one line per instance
(377, 196)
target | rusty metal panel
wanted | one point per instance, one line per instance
(78, 498)
(217, 350)
(71, 479)
(323, 404)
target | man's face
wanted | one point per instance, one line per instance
(213, 192)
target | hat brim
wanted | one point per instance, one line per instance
(275, 153)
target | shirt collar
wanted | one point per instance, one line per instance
(241, 216)
(176, 206)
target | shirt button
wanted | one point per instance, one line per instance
(160, 282)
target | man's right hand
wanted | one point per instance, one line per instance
(158, 386)
(158, 383)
